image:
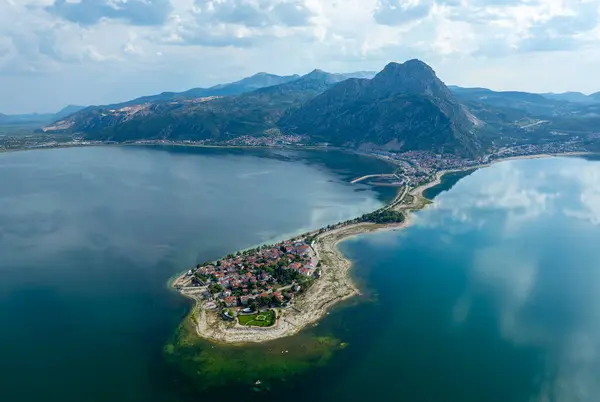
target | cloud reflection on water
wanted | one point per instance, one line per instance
(532, 210)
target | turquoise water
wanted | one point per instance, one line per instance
(491, 295)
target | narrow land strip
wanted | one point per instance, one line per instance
(335, 283)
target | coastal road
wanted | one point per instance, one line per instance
(398, 199)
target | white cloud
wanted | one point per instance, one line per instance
(499, 44)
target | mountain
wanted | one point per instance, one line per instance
(68, 110)
(247, 84)
(405, 106)
(209, 117)
(360, 74)
(595, 97)
(515, 101)
(497, 97)
(38, 118)
(574, 97)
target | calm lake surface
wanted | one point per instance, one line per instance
(90, 236)
(490, 296)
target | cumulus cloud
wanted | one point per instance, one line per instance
(501, 44)
(136, 12)
(397, 12)
(253, 13)
(239, 23)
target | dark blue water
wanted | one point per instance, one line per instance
(491, 295)
(89, 238)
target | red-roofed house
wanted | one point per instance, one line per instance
(230, 301)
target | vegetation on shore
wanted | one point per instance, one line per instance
(383, 216)
(259, 319)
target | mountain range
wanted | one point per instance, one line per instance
(403, 107)
(39, 118)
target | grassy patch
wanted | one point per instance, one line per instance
(263, 319)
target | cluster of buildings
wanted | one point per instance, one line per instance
(275, 140)
(268, 275)
(36, 141)
(537, 149)
(267, 141)
(418, 166)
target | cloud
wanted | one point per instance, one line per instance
(502, 44)
(253, 13)
(239, 23)
(398, 12)
(135, 12)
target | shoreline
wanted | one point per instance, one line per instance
(335, 284)
(242, 147)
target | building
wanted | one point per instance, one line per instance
(230, 301)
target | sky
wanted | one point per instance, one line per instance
(59, 52)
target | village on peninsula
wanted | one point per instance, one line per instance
(273, 291)
(243, 284)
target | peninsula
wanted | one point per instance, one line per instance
(275, 291)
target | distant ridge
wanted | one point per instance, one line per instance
(39, 118)
(202, 114)
(575, 97)
(403, 107)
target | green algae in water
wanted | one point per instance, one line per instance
(208, 365)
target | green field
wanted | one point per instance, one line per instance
(263, 319)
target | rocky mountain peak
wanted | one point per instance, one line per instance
(414, 77)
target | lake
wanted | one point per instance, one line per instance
(90, 236)
(489, 296)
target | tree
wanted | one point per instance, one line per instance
(253, 306)
(215, 288)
